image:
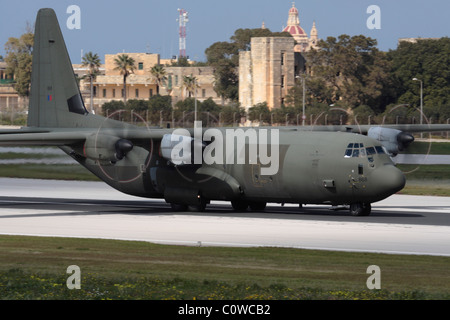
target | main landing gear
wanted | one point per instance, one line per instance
(242, 205)
(199, 207)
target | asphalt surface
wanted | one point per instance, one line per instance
(399, 224)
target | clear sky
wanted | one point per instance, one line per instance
(151, 25)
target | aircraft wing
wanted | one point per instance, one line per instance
(60, 137)
(364, 129)
(67, 136)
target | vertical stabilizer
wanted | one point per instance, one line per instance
(55, 99)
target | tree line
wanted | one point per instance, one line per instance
(159, 110)
(344, 73)
(350, 73)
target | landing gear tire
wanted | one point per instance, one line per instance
(178, 207)
(257, 206)
(200, 207)
(239, 205)
(360, 209)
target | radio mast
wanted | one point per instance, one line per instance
(182, 20)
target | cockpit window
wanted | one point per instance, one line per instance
(356, 150)
(380, 150)
(370, 151)
(362, 152)
(348, 152)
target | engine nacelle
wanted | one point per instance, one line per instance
(181, 150)
(393, 140)
(106, 148)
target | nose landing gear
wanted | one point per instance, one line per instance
(360, 209)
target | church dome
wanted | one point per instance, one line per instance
(295, 31)
(293, 24)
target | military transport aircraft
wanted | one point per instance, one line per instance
(191, 167)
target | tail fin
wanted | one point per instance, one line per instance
(55, 97)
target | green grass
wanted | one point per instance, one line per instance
(420, 189)
(35, 268)
(431, 180)
(425, 172)
(420, 147)
(17, 155)
(47, 171)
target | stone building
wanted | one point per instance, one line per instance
(141, 84)
(10, 101)
(268, 71)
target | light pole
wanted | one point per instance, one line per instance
(303, 98)
(421, 101)
(195, 103)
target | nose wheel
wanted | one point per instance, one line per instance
(360, 209)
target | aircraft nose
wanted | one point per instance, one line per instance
(389, 180)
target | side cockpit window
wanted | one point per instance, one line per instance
(370, 151)
(380, 150)
(348, 153)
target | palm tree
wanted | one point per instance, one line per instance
(159, 74)
(190, 83)
(92, 61)
(126, 65)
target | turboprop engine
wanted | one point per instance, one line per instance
(106, 148)
(181, 150)
(393, 140)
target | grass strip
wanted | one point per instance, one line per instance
(16, 155)
(35, 268)
(425, 172)
(425, 147)
(47, 171)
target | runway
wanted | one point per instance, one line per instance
(400, 224)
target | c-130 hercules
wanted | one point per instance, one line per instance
(189, 168)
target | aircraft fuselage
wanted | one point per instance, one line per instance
(312, 168)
